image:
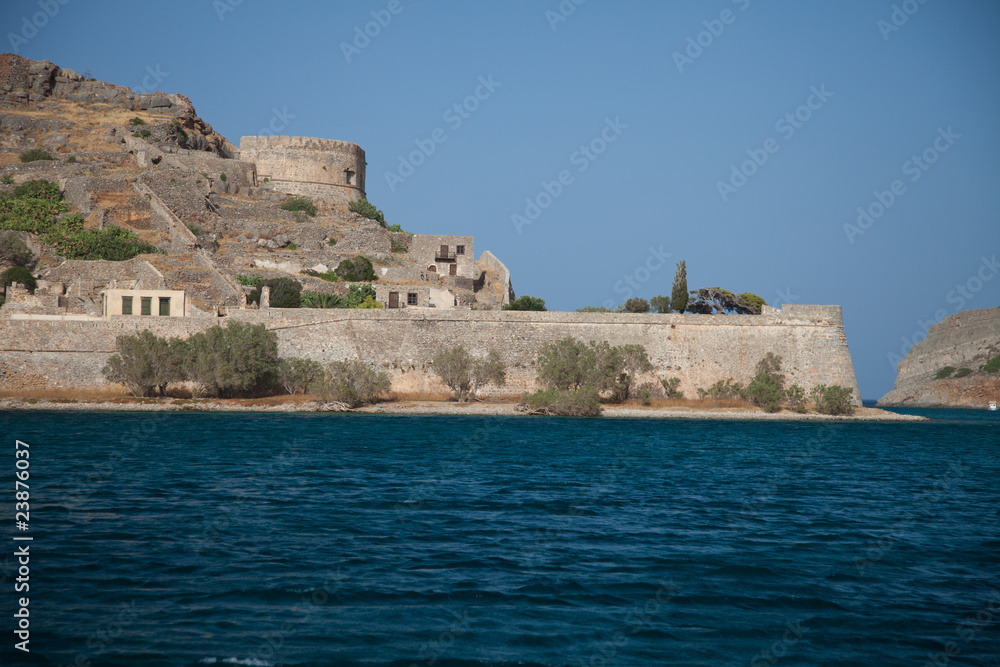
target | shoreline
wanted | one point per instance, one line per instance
(431, 408)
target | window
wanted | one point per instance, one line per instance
(147, 305)
(411, 298)
(164, 306)
(126, 305)
(349, 175)
(460, 250)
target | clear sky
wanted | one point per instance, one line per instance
(738, 135)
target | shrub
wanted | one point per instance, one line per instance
(7, 179)
(366, 209)
(144, 133)
(137, 121)
(570, 364)
(597, 309)
(285, 292)
(319, 300)
(296, 376)
(465, 375)
(222, 177)
(353, 383)
(645, 396)
(634, 360)
(329, 276)
(993, 365)
(251, 281)
(767, 387)
(723, 389)
(195, 228)
(526, 303)
(752, 300)
(357, 295)
(671, 385)
(291, 246)
(114, 244)
(145, 361)
(35, 154)
(238, 359)
(944, 373)
(299, 204)
(397, 228)
(370, 303)
(71, 159)
(38, 189)
(13, 249)
(795, 396)
(399, 246)
(18, 274)
(636, 305)
(962, 372)
(331, 241)
(582, 402)
(833, 400)
(359, 269)
(661, 304)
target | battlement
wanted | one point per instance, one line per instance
(322, 169)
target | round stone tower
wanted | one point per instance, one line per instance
(323, 169)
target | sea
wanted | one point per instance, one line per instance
(315, 540)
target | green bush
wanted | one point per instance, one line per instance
(358, 295)
(300, 204)
(944, 373)
(767, 389)
(145, 361)
(353, 383)
(597, 309)
(526, 303)
(366, 209)
(222, 177)
(296, 376)
(679, 292)
(71, 159)
(636, 305)
(370, 304)
(35, 154)
(7, 179)
(13, 249)
(137, 121)
(291, 246)
(993, 365)
(359, 269)
(645, 396)
(397, 228)
(833, 400)
(399, 246)
(320, 300)
(465, 375)
(329, 276)
(250, 281)
(723, 389)
(753, 300)
(581, 402)
(671, 385)
(114, 244)
(239, 359)
(18, 274)
(570, 364)
(661, 304)
(285, 292)
(38, 189)
(195, 228)
(962, 372)
(331, 241)
(795, 397)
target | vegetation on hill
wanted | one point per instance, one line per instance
(359, 269)
(285, 292)
(35, 154)
(526, 302)
(13, 249)
(302, 204)
(18, 274)
(352, 382)
(366, 209)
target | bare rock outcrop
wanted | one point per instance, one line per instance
(963, 342)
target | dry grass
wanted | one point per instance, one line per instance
(88, 134)
(691, 404)
(397, 397)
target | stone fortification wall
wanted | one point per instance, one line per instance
(322, 169)
(699, 349)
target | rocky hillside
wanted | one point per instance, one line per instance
(951, 368)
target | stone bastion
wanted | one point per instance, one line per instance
(698, 349)
(321, 169)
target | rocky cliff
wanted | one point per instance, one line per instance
(946, 369)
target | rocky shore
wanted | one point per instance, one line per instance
(478, 409)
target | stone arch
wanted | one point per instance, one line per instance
(432, 268)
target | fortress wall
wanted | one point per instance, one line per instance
(699, 349)
(308, 167)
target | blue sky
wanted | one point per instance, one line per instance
(740, 136)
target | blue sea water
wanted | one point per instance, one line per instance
(320, 540)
